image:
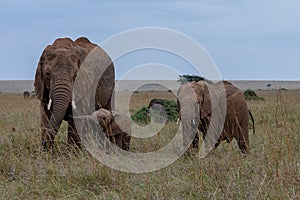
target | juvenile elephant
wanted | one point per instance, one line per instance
(54, 83)
(116, 126)
(197, 113)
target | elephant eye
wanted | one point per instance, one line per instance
(48, 74)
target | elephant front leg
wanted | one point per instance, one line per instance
(126, 141)
(195, 142)
(73, 137)
(46, 136)
(218, 143)
(118, 140)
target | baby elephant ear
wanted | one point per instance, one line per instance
(109, 120)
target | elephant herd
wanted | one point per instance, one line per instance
(198, 102)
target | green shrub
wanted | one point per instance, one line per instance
(251, 95)
(171, 109)
(142, 115)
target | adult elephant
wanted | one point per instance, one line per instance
(195, 109)
(54, 81)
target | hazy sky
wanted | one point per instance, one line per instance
(253, 39)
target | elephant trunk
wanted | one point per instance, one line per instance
(189, 128)
(61, 98)
(189, 117)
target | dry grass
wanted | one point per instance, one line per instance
(272, 171)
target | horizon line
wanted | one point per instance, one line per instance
(170, 80)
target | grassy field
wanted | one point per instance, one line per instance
(271, 171)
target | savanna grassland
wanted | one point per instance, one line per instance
(271, 171)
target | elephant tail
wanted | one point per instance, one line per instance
(252, 119)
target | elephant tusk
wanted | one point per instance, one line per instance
(49, 104)
(178, 120)
(194, 122)
(73, 104)
(73, 101)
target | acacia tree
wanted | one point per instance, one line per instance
(184, 78)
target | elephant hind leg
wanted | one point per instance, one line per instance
(243, 147)
(243, 142)
(242, 135)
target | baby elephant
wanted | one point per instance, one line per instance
(116, 126)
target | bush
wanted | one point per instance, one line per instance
(251, 95)
(171, 109)
(141, 116)
(170, 106)
(283, 89)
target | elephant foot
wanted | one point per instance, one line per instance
(72, 142)
(47, 145)
(243, 147)
(47, 141)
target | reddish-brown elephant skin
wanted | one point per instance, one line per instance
(54, 81)
(237, 113)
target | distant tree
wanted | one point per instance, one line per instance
(184, 78)
(269, 86)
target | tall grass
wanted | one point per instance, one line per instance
(271, 171)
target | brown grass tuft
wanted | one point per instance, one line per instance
(271, 171)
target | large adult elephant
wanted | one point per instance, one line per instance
(54, 81)
(195, 109)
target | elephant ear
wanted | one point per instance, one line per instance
(205, 100)
(92, 68)
(39, 84)
(82, 53)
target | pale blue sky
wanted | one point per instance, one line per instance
(253, 39)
